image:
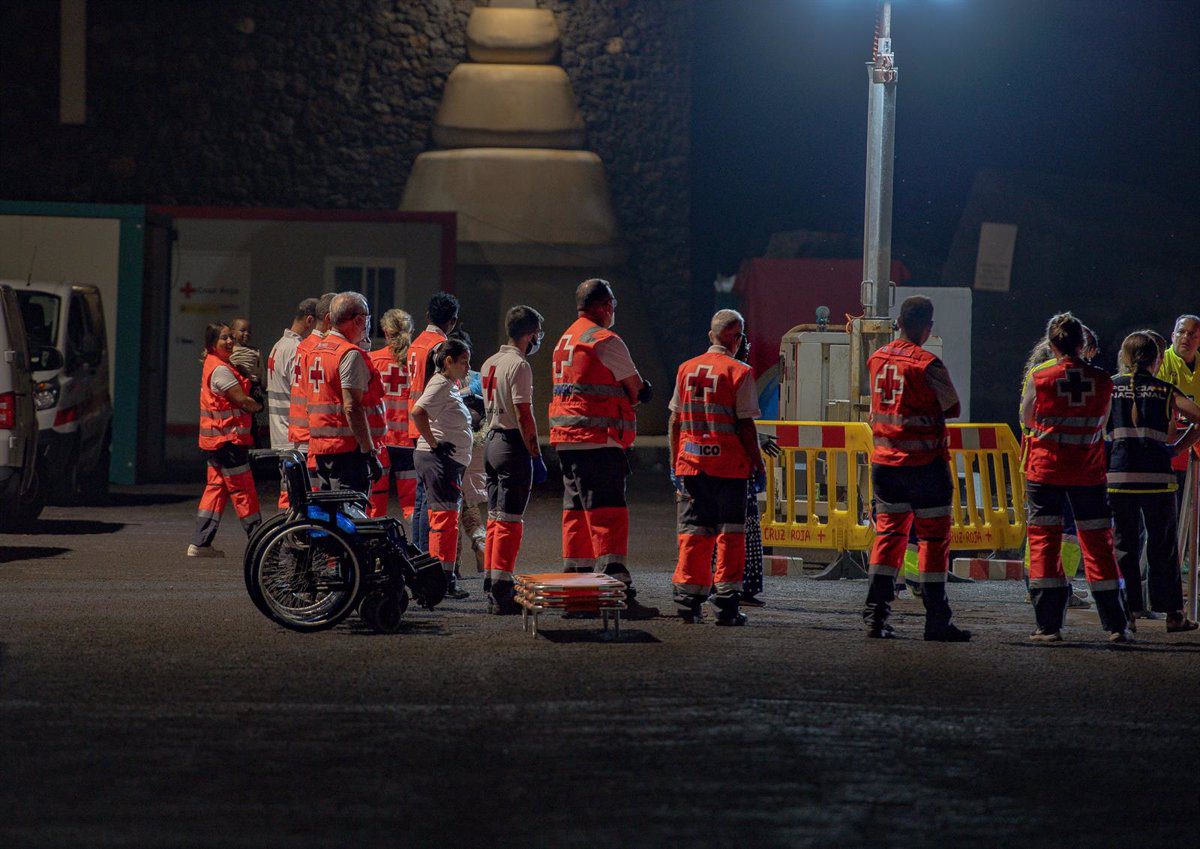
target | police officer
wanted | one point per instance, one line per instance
(442, 317)
(911, 398)
(1141, 484)
(592, 423)
(1065, 408)
(340, 378)
(714, 449)
(512, 457)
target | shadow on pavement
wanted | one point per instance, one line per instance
(577, 635)
(17, 553)
(147, 499)
(408, 628)
(71, 527)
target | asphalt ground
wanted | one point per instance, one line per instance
(145, 702)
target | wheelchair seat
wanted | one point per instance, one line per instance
(301, 494)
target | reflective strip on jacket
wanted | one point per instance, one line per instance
(329, 428)
(589, 405)
(395, 383)
(1065, 442)
(907, 420)
(220, 420)
(707, 389)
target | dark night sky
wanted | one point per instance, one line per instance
(1088, 88)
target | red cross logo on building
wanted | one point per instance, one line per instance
(1074, 386)
(316, 375)
(489, 387)
(395, 379)
(188, 289)
(563, 362)
(700, 384)
(889, 385)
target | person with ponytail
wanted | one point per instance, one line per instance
(443, 450)
(1065, 408)
(1141, 484)
(225, 433)
(392, 362)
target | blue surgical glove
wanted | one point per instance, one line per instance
(677, 482)
(759, 482)
(539, 470)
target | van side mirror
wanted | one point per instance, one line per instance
(45, 359)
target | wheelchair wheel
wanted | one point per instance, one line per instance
(306, 575)
(249, 557)
(382, 610)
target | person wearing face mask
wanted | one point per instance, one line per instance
(342, 386)
(225, 410)
(714, 449)
(592, 424)
(392, 363)
(512, 456)
(301, 381)
(443, 450)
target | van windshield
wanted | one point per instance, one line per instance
(39, 312)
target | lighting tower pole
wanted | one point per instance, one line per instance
(875, 330)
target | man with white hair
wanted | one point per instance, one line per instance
(340, 382)
(1181, 368)
(714, 449)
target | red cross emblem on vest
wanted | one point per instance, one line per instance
(700, 383)
(889, 384)
(1075, 387)
(316, 375)
(395, 379)
(562, 364)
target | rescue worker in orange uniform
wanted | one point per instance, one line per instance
(512, 456)
(225, 422)
(340, 386)
(442, 315)
(714, 449)
(392, 363)
(1065, 408)
(443, 450)
(911, 398)
(592, 423)
(299, 391)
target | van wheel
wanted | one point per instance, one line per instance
(20, 512)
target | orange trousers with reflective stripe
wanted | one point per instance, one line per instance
(501, 546)
(225, 483)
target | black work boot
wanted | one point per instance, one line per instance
(937, 616)
(879, 606)
(452, 588)
(501, 601)
(727, 610)
(1049, 609)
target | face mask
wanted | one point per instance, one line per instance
(535, 345)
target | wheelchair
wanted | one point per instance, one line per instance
(311, 566)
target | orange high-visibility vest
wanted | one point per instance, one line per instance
(298, 403)
(907, 420)
(1070, 411)
(220, 420)
(589, 403)
(329, 429)
(418, 355)
(394, 377)
(707, 389)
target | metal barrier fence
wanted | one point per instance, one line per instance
(818, 492)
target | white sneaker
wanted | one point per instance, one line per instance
(204, 551)
(1040, 636)
(1120, 637)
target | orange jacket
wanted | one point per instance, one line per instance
(418, 355)
(394, 377)
(298, 403)
(220, 420)
(907, 420)
(707, 389)
(589, 403)
(328, 425)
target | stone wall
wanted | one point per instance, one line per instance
(286, 103)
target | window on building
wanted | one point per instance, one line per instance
(381, 280)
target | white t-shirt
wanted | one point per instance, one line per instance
(353, 370)
(222, 379)
(449, 418)
(507, 382)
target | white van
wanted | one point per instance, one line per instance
(20, 503)
(73, 399)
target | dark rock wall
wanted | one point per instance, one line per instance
(327, 104)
